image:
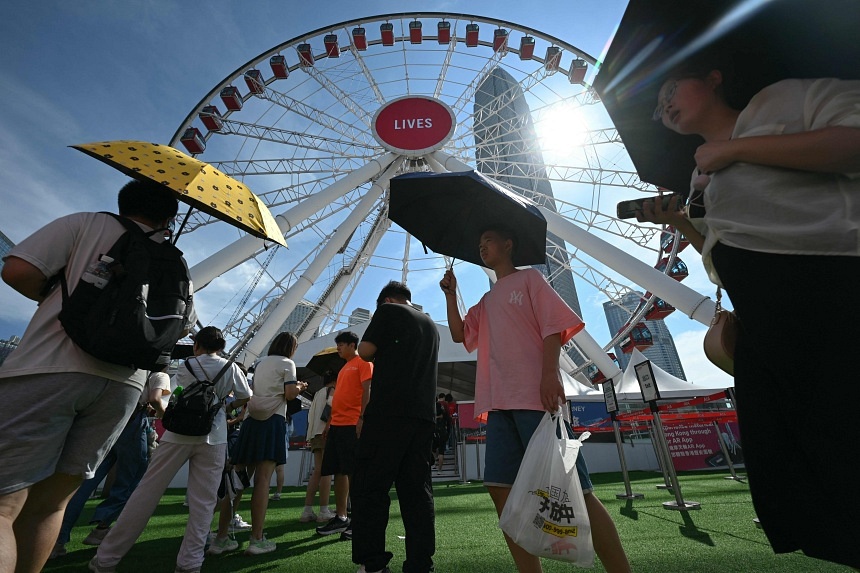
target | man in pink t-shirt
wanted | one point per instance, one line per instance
(518, 328)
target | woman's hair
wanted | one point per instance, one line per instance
(210, 339)
(449, 397)
(284, 344)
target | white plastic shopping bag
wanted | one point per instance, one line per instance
(545, 513)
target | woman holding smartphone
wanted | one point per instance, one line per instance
(781, 233)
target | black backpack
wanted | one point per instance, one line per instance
(192, 411)
(136, 319)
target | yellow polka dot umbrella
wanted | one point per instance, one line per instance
(196, 183)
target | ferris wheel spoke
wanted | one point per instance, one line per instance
(443, 70)
(478, 76)
(299, 166)
(371, 81)
(504, 99)
(319, 117)
(299, 140)
(562, 174)
(298, 192)
(341, 96)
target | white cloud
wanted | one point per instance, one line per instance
(697, 367)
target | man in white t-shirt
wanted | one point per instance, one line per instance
(70, 406)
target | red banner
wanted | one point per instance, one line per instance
(696, 446)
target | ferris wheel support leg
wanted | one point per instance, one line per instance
(692, 303)
(591, 349)
(243, 249)
(449, 162)
(326, 307)
(297, 291)
(434, 165)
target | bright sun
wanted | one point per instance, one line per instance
(561, 129)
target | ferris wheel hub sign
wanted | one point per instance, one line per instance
(413, 125)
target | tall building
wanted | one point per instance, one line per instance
(358, 316)
(662, 353)
(5, 246)
(507, 149)
(7, 346)
(298, 317)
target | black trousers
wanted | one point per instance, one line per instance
(797, 387)
(393, 451)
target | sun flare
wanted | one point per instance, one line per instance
(561, 129)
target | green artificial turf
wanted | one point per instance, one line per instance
(720, 537)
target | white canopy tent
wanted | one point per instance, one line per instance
(669, 386)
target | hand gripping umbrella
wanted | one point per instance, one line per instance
(448, 211)
(757, 42)
(196, 183)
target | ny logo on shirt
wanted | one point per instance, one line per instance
(516, 297)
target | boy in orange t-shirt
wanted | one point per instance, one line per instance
(350, 397)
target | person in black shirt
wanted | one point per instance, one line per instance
(397, 434)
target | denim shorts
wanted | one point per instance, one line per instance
(508, 434)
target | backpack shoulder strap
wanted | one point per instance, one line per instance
(208, 382)
(194, 374)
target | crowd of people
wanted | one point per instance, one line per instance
(778, 182)
(367, 440)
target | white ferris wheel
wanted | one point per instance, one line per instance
(296, 123)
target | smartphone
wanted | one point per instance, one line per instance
(627, 209)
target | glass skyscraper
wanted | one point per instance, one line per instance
(5, 246)
(662, 353)
(507, 150)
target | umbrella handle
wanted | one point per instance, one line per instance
(182, 226)
(451, 266)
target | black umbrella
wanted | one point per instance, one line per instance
(448, 211)
(326, 362)
(757, 42)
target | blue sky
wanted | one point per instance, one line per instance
(82, 71)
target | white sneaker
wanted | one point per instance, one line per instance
(325, 515)
(238, 523)
(219, 546)
(308, 515)
(96, 567)
(260, 546)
